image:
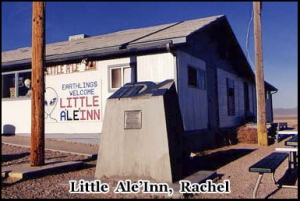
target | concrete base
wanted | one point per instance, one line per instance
(25, 171)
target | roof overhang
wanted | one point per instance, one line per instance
(270, 87)
(102, 53)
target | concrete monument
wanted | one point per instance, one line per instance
(142, 134)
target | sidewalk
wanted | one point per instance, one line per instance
(54, 145)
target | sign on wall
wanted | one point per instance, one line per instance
(73, 96)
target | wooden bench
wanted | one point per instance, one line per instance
(269, 164)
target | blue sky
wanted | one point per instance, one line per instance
(278, 20)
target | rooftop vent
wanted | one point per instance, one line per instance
(76, 37)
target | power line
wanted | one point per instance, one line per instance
(247, 41)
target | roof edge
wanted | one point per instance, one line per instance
(137, 48)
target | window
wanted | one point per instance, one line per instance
(24, 83)
(230, 97)
(15, 84)
(196, 78)
(8, 86)
(116, 78)
(246, 97)
(120, 76)
(192, 76)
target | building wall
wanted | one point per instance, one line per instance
(16, 112)
(225, 119)
(76, 98)
(104, 76)
(193, 101)
(76, 94)
(252, 97)
(269, 108)
(156, 67)
(205, 47)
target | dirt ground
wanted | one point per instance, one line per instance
(230, 162)
(291, 119)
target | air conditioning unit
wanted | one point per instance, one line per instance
(78, 36)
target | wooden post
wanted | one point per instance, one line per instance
(37, 151)
(262, 135)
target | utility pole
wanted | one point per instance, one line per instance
(262, 135)
(37, 151)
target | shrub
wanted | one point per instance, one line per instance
(247, 135)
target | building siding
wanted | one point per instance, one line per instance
(193, 101)
(17, 113)
(269, 109)
(155, 68)
(225, 120)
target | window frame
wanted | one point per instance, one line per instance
(230, 96)
(198, 79)
(122, 67)
(16, 75)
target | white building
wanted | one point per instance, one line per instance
(214, 82)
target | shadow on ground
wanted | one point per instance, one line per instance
(10, 157)
(13, 159)
(8, 181)
(215, 160)
(290, 178)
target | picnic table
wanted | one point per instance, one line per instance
(270, 163)
(292, 141)
(285, 133)
(291, 146)
(280, 125)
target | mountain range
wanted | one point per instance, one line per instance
(285, 111)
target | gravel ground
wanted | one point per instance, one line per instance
(230, 162)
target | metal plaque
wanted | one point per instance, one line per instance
(133, 119)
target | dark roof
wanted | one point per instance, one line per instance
(112, 43)
(131, 40)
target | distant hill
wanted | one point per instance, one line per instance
(285, 111)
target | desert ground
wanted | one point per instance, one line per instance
(231, 162)
(291, 119)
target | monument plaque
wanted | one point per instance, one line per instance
(133, 119)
